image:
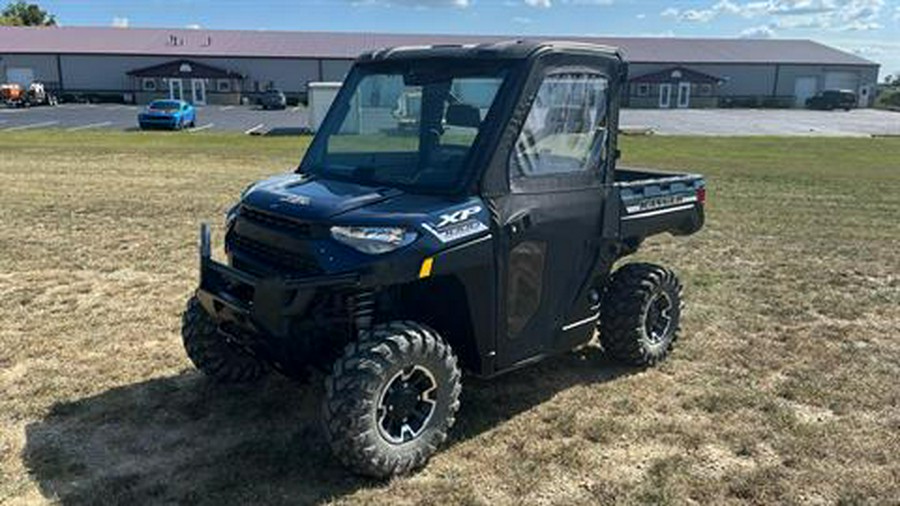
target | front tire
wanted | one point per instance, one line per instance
(391, 399)
(210, 351)
(640, 315)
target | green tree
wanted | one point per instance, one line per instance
(20, 13)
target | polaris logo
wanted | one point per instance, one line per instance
(458, 216)
(297, 200)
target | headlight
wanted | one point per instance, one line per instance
(373, 240)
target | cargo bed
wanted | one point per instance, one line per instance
(646, 202)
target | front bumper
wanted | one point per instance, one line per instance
(159, 121)
(261, 306)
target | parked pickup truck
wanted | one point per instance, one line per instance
(477, 231)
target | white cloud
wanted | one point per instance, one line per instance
(193, 26)
(840, 15)
(521, 20)
(758, 32)
(544, 4)
(118, 22)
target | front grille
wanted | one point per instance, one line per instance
(297, 229)
(271, 257)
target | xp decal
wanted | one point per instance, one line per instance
(458, 216)
(457, 225)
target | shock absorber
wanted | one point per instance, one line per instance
(362, 309)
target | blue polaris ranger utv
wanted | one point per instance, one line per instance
(460, 208)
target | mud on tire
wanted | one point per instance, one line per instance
(211, 353)
(640, 314)
(394, 370)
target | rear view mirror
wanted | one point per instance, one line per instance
(463, 115)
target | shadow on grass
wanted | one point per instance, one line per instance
(182, 439)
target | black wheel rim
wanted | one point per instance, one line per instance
(406, 404)
(658, 321)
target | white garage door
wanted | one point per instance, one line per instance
(804, 87)
(23, 76)
(841, 81)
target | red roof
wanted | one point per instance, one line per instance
(338, 45)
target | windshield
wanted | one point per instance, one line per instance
(167, 106)
(410, 126)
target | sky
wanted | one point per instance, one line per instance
(870, 28)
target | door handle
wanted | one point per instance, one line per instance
(518, 223)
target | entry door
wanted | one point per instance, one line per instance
(198, 91)
(684, 95)
(551, 219)
(665, 96)
(864, 96)
(176, 89)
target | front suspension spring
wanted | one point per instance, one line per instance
(362, 309)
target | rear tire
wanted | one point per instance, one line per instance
(211, 353)
(391, 399)
(640, 315)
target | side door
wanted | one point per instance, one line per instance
(550, 222)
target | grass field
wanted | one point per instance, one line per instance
(784, 388)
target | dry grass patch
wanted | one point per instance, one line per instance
(783, 390)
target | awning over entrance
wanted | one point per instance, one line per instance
(186, 69)
(675, 75)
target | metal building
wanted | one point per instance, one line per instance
(228, 66)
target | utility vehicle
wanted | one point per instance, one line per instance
(482, 237)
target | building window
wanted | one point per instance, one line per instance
(148, 84)
(223, 85)
(706, 90)
(643, 90)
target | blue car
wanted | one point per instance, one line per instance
(174, 114)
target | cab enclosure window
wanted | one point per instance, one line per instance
(410, 125)
(566, 129)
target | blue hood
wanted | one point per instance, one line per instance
(303, 197)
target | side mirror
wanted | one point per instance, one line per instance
(463, 115)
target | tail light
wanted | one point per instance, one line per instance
(701, 195)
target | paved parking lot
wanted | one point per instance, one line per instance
(75, 117)
(863, 122)
(855, 123)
